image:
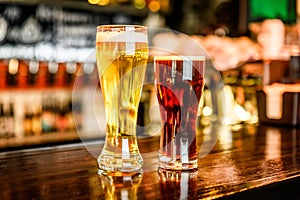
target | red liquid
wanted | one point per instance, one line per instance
(182, 184)
(178, 96)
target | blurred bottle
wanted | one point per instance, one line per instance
(9, 120)
(33, 72)
(27, 122)
(3, 74)
(63, 112)
(52, 69)
(22, 76)
(36, 119)
(13, 68)
(71, 70)
(71, 118)
(42, 75)
(2, 121)
(48, 115)
(294, 69)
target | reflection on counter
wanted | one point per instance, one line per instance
(120, 187)
(251, 158)
(178, 184)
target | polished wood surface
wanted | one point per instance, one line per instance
(252, 162)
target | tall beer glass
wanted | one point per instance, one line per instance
(122, 53)
(179, 83)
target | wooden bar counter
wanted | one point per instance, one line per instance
(254, 162)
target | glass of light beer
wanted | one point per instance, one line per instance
(179, 82)
(121, 54)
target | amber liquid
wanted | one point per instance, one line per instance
(178, 92)
(121, 75)
(120, 187)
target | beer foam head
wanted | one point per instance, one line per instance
(127, 34)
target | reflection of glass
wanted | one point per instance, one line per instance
(122, 53)
(120, 187)
(178, 184)
(179, 85)
(273, 144)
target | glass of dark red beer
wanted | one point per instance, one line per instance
(179, 83)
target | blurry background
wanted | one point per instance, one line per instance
(46, 50)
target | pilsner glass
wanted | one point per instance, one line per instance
(179, 85)
(121, 54)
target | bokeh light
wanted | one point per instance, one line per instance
(154, 5)
(93, 1)
(139, 4)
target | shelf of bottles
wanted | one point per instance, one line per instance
(38, 101)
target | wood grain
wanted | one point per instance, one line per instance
(254, 162)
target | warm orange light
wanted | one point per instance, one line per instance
(154, 6)
(103, 2)
(93, 1)
(164, 5)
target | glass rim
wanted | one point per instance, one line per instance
(179, 57)
(121, 26)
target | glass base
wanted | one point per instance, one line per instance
(117, 166)
(168, 164)
(108, 173)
